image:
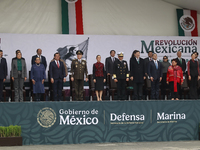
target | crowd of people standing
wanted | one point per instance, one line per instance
(168, 75)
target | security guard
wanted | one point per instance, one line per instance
(78, 69)
(121, 75)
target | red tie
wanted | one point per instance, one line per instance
(57, 64)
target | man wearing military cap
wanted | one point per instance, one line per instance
(121, 75)
(78, 69)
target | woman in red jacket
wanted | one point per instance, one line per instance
(174, 79)
(99, 77)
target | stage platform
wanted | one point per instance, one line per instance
(45, 123)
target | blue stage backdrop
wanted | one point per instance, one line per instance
(98, 122)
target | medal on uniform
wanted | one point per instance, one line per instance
(76, 63)
(76, 66)
(83, 63)
(124, 64)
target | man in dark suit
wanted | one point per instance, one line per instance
(181, 61)
(196, 58)
(137, 74)
(78, 70)
(109, 63)
(121, 75)
(147, 60)
(155, 74)
(42, 58)
(57, 75)
(3, 74)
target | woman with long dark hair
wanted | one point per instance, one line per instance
(164, 85)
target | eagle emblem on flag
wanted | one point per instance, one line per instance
(68, 53)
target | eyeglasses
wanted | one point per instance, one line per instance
(164, 58)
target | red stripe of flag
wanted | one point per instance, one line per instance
(79, 17)
(194, 15)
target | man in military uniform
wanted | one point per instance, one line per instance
(121, 75)
(78, 69)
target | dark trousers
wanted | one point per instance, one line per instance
(181, 91)
(107, 83)
(57, 89)
(108, 79)
(121, 89)
(164, 85)
(174, 94)
(1, 89)
(78, 83)
(155, 89)
(193, 87)
(137, 90)
(38, 96)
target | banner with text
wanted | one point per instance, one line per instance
(92, 45)
(98, 122)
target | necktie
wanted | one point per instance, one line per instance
(113, 59)
(138, 61)
(156, 65)
(180, 60)
(58, 64)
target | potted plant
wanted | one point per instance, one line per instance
(10, 136)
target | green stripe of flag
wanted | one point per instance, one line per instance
(65, 19)
(179, 15)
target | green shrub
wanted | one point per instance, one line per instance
(1, 131)
(10, 131)
(4, 132)
(18, 130)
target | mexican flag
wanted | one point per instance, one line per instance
(72, 19)
(187, 22)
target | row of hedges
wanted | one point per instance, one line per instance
(10, 131)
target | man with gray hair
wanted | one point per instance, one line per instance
(181, 61)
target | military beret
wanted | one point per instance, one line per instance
(79, 52)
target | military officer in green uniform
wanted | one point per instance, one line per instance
(78, 69)
(121, 75)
